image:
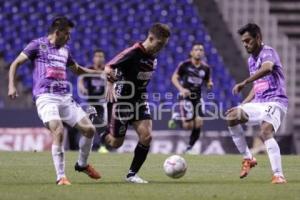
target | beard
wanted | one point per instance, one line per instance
(197, 58)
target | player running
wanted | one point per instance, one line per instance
(134, 68)
(93, 87)
(189, 78)
(266, 104)
(51, 56)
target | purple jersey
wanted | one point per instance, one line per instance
(50, 62)
(270, 88)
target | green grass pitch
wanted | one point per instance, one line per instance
(31, 176)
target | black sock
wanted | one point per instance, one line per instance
(194, 136)
(140, 155)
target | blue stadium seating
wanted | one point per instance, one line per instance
(112, 26)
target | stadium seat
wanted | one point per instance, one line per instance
(113, 26)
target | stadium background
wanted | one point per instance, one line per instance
(114, 25)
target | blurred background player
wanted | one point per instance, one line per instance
(51, 57)
(3, 78)
(189, 78)
(266, 103)
(135, 65)
(94, 88)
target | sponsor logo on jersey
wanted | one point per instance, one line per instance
(147, 62)
(43, 47)
(260, 86)
(144, 75)
(63, 52)
(194, 80)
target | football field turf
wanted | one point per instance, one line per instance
(31, 176)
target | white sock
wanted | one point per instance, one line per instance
(85, 145)
(274, 156)
(238, 137)
(58, 160)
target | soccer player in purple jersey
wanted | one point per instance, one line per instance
(265, 105)
(51, 56)
(134, 68)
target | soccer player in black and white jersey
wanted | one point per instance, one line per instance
(93, 88)
(189, 78)
(134, 69)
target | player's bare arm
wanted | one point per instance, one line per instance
(175, 80)
(81, 86)
(209, 84)
(12, 91)
(265, 69)
(250, 96)
(110, 92)
(79, 70)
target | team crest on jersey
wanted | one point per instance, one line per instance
(43, 47)
(144, 75)
(201, 73)
(63, 52)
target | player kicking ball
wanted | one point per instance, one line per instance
(127, 95)
(51, 57)
(266, 104)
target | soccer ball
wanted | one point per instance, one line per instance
(175, 166)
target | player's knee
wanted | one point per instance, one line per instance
(266, 131)
(90, 131)
(58, 133)
(198, 123)
(187, 125)
(232, 119)
(146, 140)
(116, 143)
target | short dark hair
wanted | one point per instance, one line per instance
(252, 29)
(160, 30)
(197, 44)
(60, 23)
(98, 51)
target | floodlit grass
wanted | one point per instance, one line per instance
(31, 176)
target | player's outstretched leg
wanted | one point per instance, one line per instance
(85, 145)
(143, 129)
(273, 151)
(234, 120)
(57, 150)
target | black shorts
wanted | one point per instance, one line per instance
(120, 114)
(190, 108)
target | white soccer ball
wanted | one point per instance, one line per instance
(175, 166)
